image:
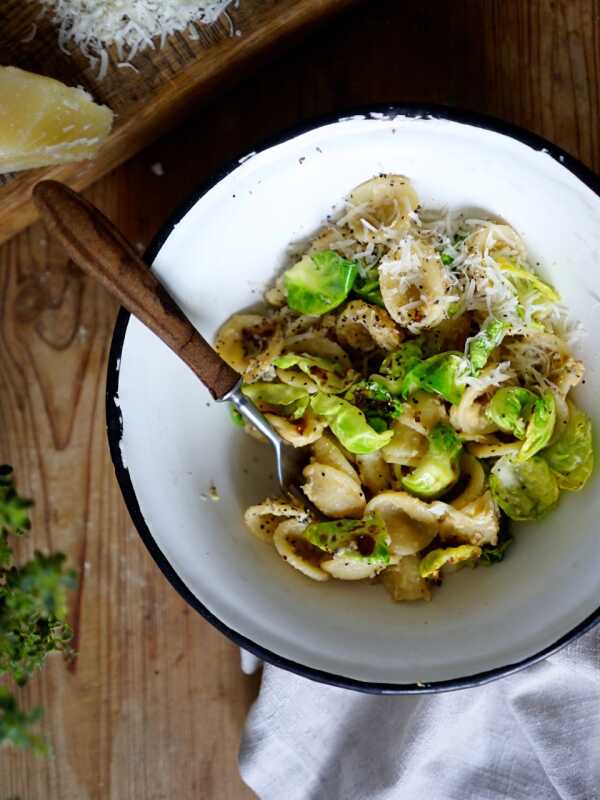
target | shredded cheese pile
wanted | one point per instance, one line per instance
(130, 25)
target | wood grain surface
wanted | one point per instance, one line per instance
(153, 706)
(100, 250)
(150, 99)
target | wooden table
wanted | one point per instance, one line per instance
(154, 704)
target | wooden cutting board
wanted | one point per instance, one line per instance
(165, 86)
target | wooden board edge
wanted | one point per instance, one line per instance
(152, 121)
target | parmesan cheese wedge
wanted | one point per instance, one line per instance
(44, 122)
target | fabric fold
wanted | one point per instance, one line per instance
(534, 735)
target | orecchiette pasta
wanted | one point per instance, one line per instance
(427, 370)
(234, 341)
(492, 447)
(317, 344)
(413, 285)
(493, 238)
(468, 416)
(291, 545)
(381, 205)
(333, 491)
(472, 470)
(263, 518)
(374, 471)
(301, 432)
(364, 327)
(407, 447)
(326, 451)
(423, 412)
(411, 523)
(348, 570)
(404, 582)
(476, 523)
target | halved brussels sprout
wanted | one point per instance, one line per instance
(540, 428)
(524, 489)
(439, 374)
(323, 373)
(519, 275)
(376, 402)
(439, 469)
(278, 398)
(353, 539)
(510, 409)
(571, 456)
(483, 345)
(319, 282)
(433, 562)
(349, 424)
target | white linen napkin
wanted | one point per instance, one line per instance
(532, 736)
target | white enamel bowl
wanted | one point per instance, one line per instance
(170, 444)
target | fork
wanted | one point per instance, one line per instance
(104, 253)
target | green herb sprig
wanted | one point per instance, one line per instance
(33, 611)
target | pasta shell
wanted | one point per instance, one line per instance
(263, 519)
(366, 327)
(349, 569)
(422, 412)
(316, 344)
(326, 451)
(413, 285)
(494, 239)
(325, 240)
(470, 467)
(291, 545)
(404, 582)
(492, 447)
(298, 432)
(382, 205)
(231, 344)
(406, 448)
(469, 415)
(411, 523)
(275, 295)
(333, 492)
(477, 523)
(374, 472)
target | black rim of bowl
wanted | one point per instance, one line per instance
(115, 423)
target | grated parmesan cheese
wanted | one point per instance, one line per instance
(130, 25)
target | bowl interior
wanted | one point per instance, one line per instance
(177, 443)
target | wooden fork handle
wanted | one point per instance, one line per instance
(95, 245)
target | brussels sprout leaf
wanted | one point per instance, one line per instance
(540, 427)
(433, 562)
(510, 409)
(277, 398)
(571, 456)
(483, 345)
(438, 469)
(349, 424)
(319, 282)
(361, 539)
(324, 374)
(440, 374)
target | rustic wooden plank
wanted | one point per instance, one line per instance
(154, 706)
(167, 84)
